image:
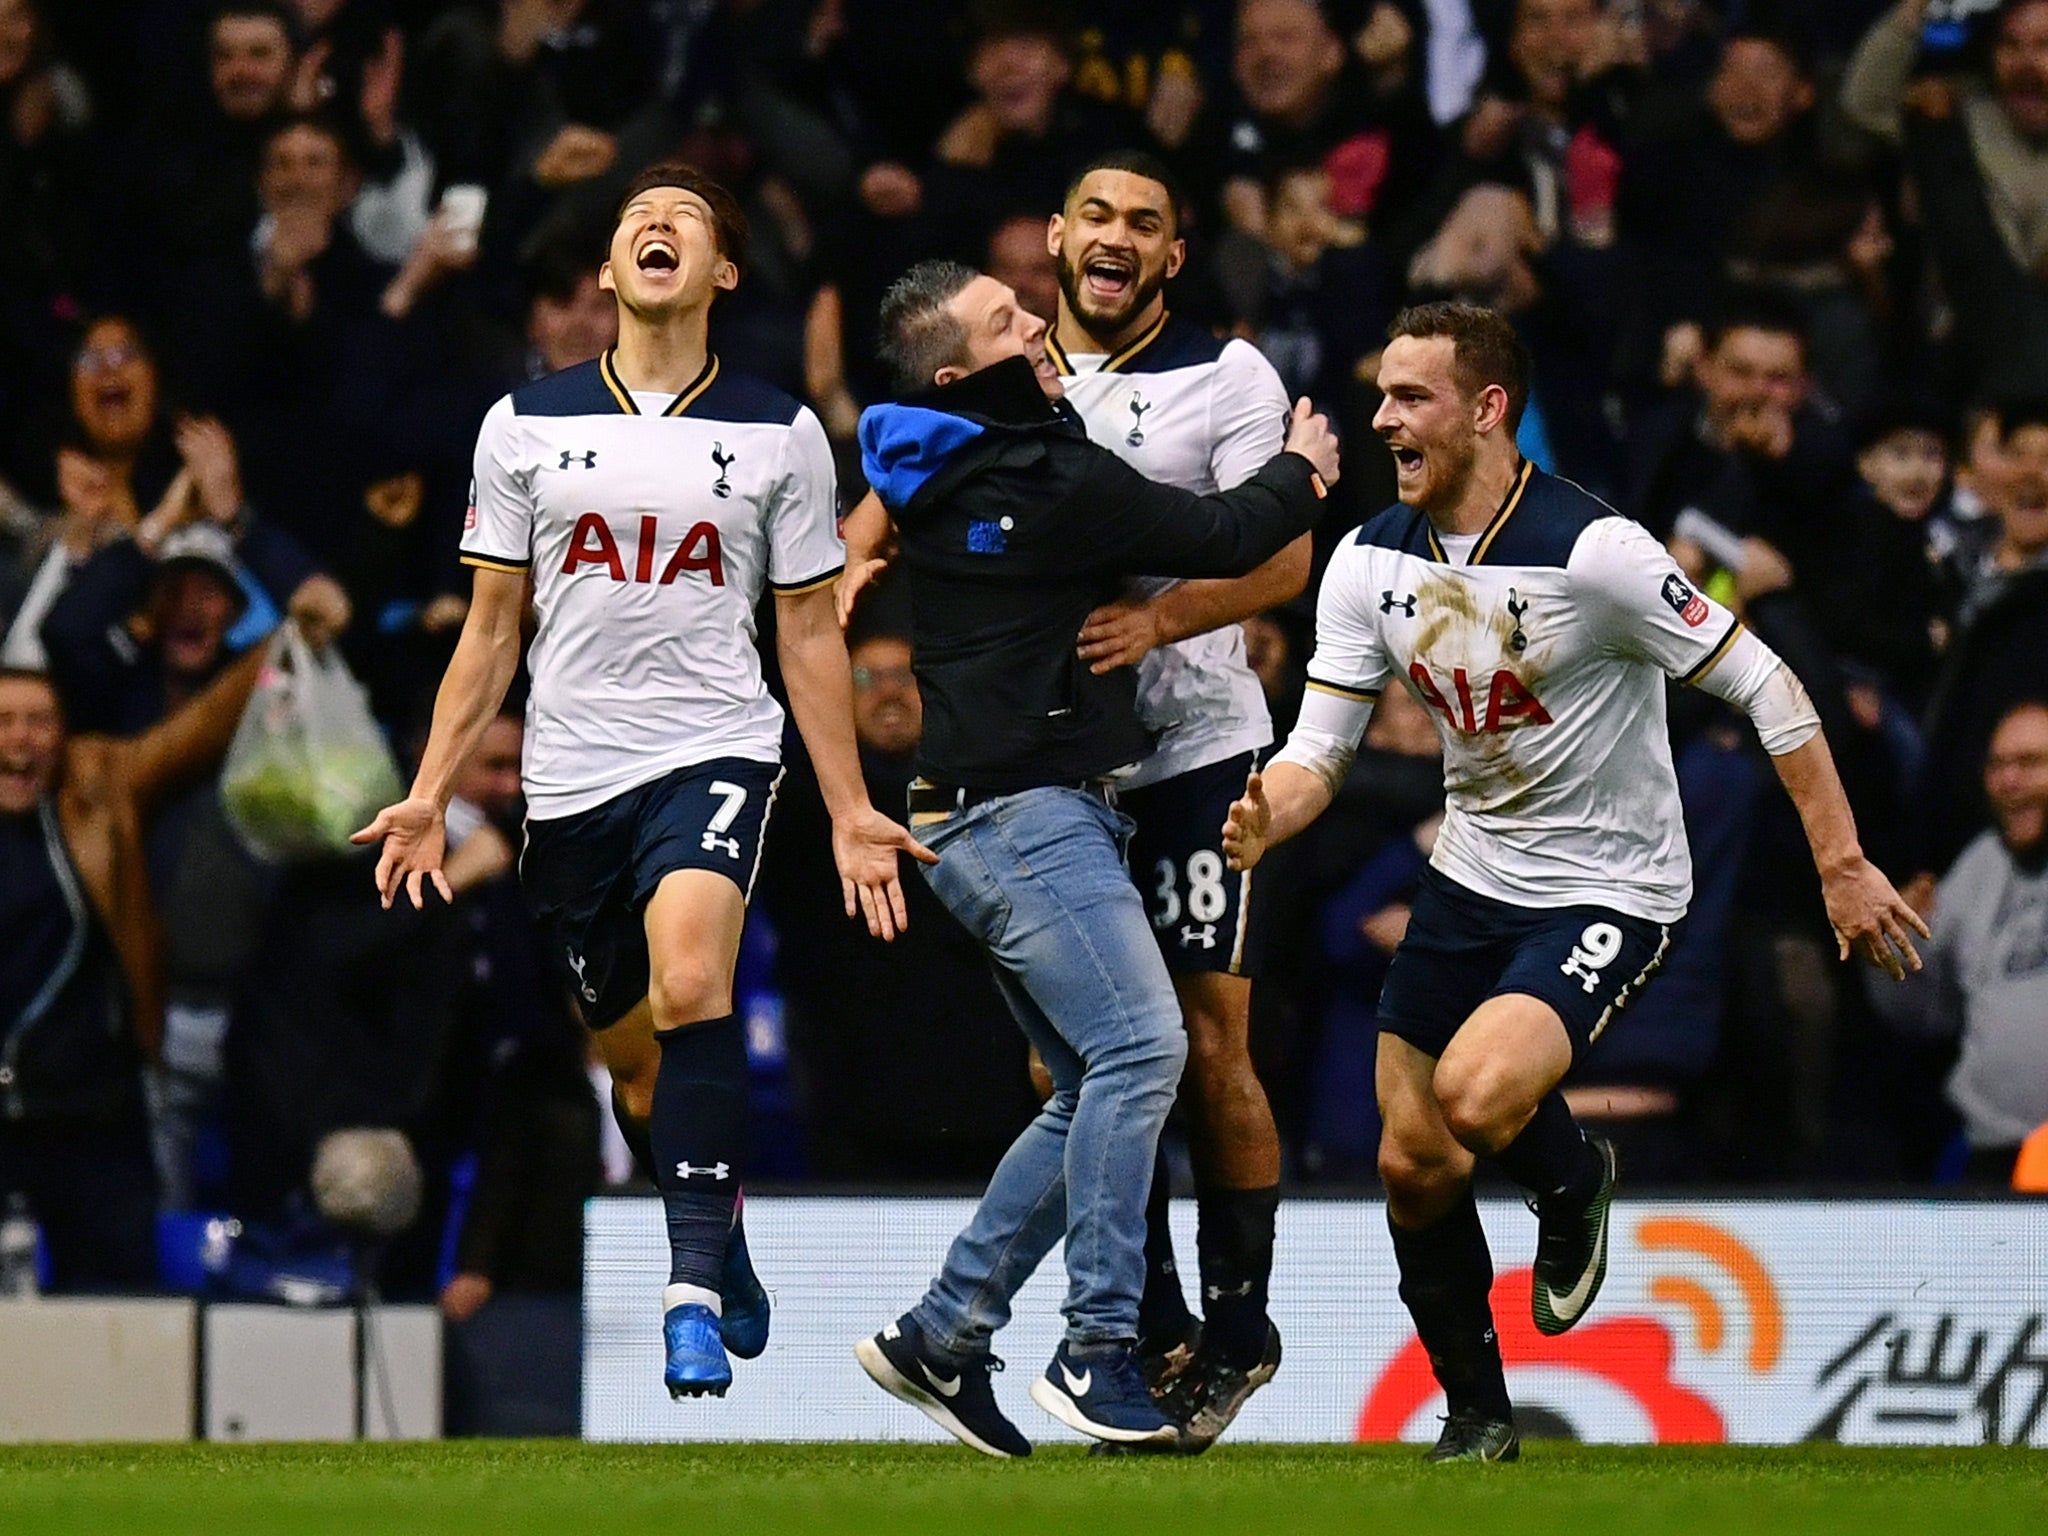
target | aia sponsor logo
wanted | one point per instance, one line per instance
(1507, 701)
(593, 543)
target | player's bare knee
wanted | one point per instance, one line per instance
(1480, 1106)
(687, 989)
(1419, 1175)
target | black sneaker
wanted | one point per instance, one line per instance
(1571, 1250)
(1103, 1395)
(1222, 1390)
(956, 1397)
(1173, 1377)
(1470, 1435)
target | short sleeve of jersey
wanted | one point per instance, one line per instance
(1349, 659)
(497, 530)
(804, 547)
(1635, 598)
(1247, 415)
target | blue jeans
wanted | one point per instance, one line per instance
(1039, 878)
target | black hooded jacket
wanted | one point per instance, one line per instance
(1014, 527)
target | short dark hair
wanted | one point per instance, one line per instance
(326, 124)
(1756, 309)
(1484, 348)
(1135, 162)
(994, 21)
(2016, 414)
(257, 10)
(728, 223)
(918, 334)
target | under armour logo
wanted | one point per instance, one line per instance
(1516, 608)
(1406, 604)
(576, 964)
(1135, 438)
(1204, 935)
(721, 486)
(713, 842)
(718, 1171)
(588, 459)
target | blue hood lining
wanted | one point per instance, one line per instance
(903, 446)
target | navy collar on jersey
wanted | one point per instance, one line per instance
(1506, 510)
(1116, 360)
(609, 372)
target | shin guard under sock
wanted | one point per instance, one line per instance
(1163, 1315)
(1552, 1158)
(699, 1137)
(1235, 1243)
(1446, 1274)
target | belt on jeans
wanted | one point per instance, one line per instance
(928, 799)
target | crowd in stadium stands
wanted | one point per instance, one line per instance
(1783, 270)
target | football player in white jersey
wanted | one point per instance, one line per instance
(648, 496)
(1188, 410)
(1537, 626)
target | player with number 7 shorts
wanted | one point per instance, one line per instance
(648, 496)
(1537, 626)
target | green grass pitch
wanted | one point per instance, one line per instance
(511, 1489)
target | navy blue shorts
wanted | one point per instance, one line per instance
(589, 876)
(1203, 913)
(1462, 948)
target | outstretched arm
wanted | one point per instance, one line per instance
(1119, 634)
(820, 682)
(870, 535)
(1865, 912)
(1303, 779)
(486, 656)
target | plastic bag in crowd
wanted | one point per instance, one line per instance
(308, 764)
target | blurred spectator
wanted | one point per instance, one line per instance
(1018, 255)
(536, 1125)
(1306, 98)
(202, 175)
(1749, 444)
(51, 258)
(1688, 190)
(1990, 552)
(1985, 980)
(918, 1021)
(79, 979)
(569, 319)
(1978, 153)
(142, 626)
(1023, 136)
(1328, 298)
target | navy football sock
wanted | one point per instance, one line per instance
(1552, 1158)
(1446, 1274)
(699, 1136)
(637, 1134)
(1235, 1241)
(1163, 1315)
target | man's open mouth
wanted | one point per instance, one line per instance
(658, 255)
(1109, 277)
(1406, 460)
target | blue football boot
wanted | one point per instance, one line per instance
(744, 1323)
(697, 1366)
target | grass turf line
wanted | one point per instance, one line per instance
(479, 1488)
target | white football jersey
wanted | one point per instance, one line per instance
(1542, 660)
(650, 525)
(1185, 409)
